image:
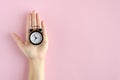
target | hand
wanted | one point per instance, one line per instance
(30, 50)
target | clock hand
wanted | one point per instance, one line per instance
(35, 36)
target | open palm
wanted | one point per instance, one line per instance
(30, 50)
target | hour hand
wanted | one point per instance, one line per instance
(35, 37)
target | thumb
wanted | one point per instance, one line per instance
(18, 40)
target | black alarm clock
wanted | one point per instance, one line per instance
(36, 36)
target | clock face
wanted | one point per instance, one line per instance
(36, 37)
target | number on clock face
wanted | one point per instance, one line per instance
(36, 37)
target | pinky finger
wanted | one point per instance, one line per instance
(44, 29)
(44, 32)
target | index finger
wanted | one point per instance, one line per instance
(28, 25)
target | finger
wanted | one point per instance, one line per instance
(33, 19)
(28, 25)
(38, 20)
(44, 30)
(18, 40)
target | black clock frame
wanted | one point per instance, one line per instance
(31, 31)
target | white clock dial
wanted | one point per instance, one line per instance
(36, 37)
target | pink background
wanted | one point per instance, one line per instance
(84, 39)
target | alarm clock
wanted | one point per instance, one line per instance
(36, 36)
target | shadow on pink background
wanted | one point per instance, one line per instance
(84, 39)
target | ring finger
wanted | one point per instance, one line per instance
(38, 20)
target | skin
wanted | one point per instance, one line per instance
(34, 53)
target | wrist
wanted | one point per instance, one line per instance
(36, 57)
(36, 68)
(36, 61)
